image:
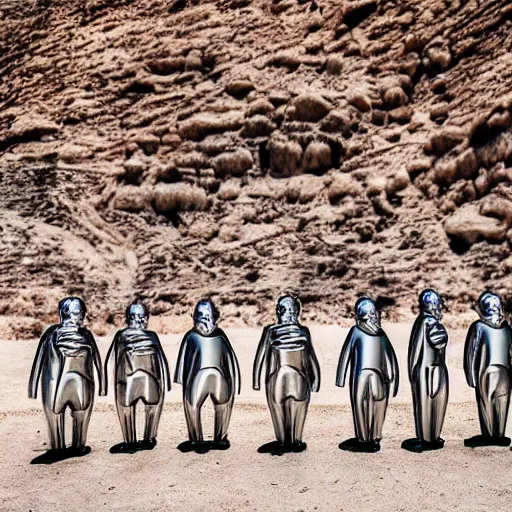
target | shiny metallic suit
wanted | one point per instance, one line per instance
(64, 360)
(428, 373)
(292, 371)
(487, 364)
(140, 373)
(374, 372)
(207, 367)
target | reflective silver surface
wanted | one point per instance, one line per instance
(207, 367)
(292, 371)
(64, 362)
(428, 373)
(373, 371)
(487, 364)
(141, 372)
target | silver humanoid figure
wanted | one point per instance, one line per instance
(292, 371)
(141, 372)
(207, 367)
(487, 355)
(428, 373)
(374, 374)
(64, 361)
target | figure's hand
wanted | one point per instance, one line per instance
(256, 388)
(103, 393)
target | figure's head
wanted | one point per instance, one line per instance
(205, 317)
(431, 303)
(137, 316)
(490, 309)
(367, 316)
(288, 309)
(72, 311)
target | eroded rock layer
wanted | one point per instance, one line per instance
(172, 149)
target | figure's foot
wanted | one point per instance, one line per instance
(298, 446)
(355, 445)
(221, 444)
(481, 440)
(418, 446)
(79, 451)
(195, 446)
(125, 448)
(147, 444)
(277, 448)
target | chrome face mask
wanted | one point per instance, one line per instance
(431, 304)
(490, 309)
(367, 317)
(287, 310)
(72, 313)
(204, 319)
(137, 317)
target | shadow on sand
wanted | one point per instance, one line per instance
(52, 456)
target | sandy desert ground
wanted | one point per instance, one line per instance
(321, 478)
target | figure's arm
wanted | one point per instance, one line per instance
(111, 350)
(234, 368)
(470, 349)
(97, 362)
(260, 358)
(344, 359)
(178, 373)
(315, 366)
(413, 352)
(395, 372)
(163, 363)
(37, 365)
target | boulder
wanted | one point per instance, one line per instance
(468, 225)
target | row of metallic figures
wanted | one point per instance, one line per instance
(207, 367)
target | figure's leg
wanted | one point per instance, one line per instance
(439, 402)
(55, 423)
(80, 426)
(298, 412)
(155, 393)
(500, 384)
(222, 418)
(297, 404)
(126, 414)
(81, 409)
(360, 398)
(276, 406)
(153, 413)
(425, 405)
(193, 400)
(484, 392)
(378, 401)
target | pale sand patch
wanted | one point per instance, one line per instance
(322, 478)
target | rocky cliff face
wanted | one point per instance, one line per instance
(172, 150)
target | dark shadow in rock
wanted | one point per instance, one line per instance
(204, 446)
(416, 446)
(276, 448)
(480, 440)
(52, 456)
(354, 445)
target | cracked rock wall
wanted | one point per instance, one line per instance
(170, 150)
